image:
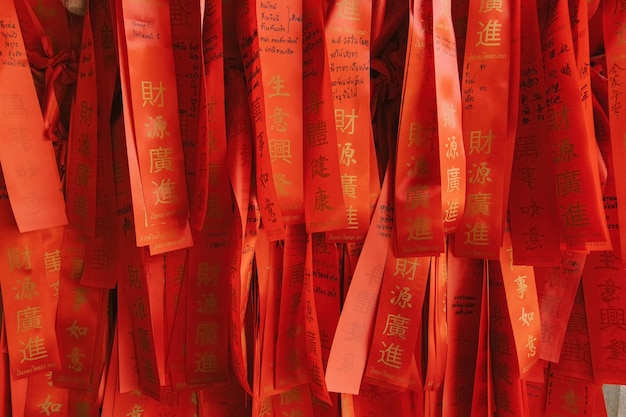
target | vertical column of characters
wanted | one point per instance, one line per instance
(576, 176)
(485, 87)
(348, 28)
(418, 212)
(325, 189)
(157, 138)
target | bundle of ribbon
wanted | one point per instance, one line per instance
(312, 208)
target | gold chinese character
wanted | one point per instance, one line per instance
(490, 5)
(452, 148)
(418, 133)
(351, 215)
(391, 355)
(420, 229)
(348, 185)
(157, 127)
(49, 378)
(530, 345)
(19, 259)
(207, 274)
(349, 9)
(401, 297)
(75, 360)
(266, 409)
(206, 362)
(52, 261)
(48, 407)
(206, 333)
(568, 182)
(281, 183)
(76, 331)
(521, 286)
(479, 143)
(418, 167)
(417, 196)
(449, 115)
(347, 154)
(207, 304)
(453, 179)
(478, 203)
(480, 174)
(27, 290)
(278, 118)
(136, 411)
(452, 212)
(277, 84)
(28, 318)
(161, 159)
(34, 349)
(477, 235)
(151, 94)
(396, 325)
(280, 149)
(55, 288)
(80, 297)
(526, 317)
(345, 122)
(165, 192)
(490, 34)
(406, 267)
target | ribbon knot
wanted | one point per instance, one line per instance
(53, 75)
